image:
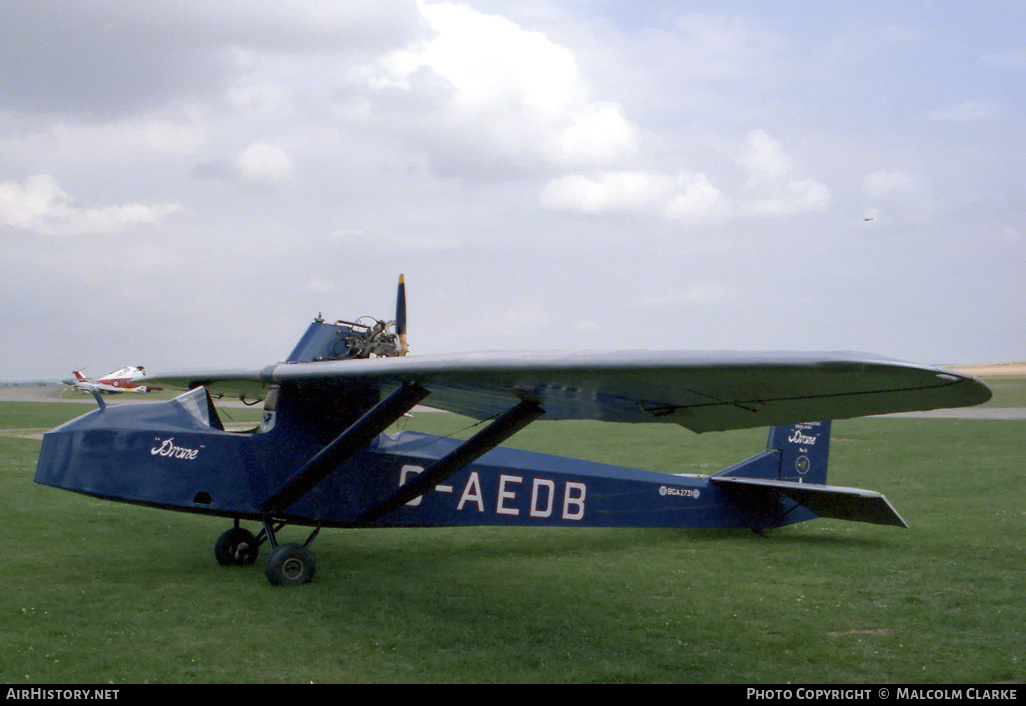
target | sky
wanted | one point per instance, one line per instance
(188, 184)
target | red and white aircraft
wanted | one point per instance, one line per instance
(123, 380)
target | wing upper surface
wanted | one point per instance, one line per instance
(703, 391)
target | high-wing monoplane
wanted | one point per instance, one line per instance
(123, 380)
(323, 457)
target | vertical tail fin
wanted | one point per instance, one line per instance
(797, 453)
(804, 451)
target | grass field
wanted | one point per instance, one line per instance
(98, 592)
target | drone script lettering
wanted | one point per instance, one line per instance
(798, 438)
(168, 448)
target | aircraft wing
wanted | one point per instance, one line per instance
(702, 391)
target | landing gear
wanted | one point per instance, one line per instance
(288, 565)
(236, 547)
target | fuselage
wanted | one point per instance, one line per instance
(172, 455)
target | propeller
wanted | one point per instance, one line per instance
(400, 315)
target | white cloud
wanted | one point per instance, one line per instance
(41, 205)
(764, 159)
(263, 164)
(688, 198)
(773, 192)
(598, 132)
(606, 192)
(692, 198)
(508, 91)
(697, 200)
(794, 197)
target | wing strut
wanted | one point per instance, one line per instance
(349, 442)
(459, 458)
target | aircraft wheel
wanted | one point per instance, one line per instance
(290, 565)
(236, 547)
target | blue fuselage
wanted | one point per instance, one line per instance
(169, 455)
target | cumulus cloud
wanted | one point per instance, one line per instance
(264, 165)
(507, 90)
(797, 196)
(687, 198)
(696, 200)
(40, 205)
(764, 159)
(606, 192)
(769, 190)
(773, 191)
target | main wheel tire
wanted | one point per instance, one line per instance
(290, 565)
(236, 547)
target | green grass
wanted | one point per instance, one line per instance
(1009, 391)
(101, 592)
(39, 415)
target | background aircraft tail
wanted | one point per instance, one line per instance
(793, 470)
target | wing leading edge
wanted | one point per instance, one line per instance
(701, 391)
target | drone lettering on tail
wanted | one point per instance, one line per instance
(322, 456)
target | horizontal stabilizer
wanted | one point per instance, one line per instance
(825, 500)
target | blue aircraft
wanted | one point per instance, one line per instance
(322, 456)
